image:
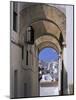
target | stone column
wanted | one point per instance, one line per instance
(62, 73)
(65, 73)
(59, 71)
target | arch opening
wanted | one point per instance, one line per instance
(48, 71)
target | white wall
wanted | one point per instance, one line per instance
(69, 42)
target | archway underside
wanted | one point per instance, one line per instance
(47, 41)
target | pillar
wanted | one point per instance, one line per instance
(59, 75)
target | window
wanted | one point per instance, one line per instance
(15, 83)
(15, 7)
(15, 21)
(22, 52)
(25, 90)
(26, 57)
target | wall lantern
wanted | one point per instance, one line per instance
(29, 35)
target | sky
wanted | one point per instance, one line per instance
(48, 54)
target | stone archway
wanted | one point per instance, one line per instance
(44, 19)
(43, 42)
(39, 26)
(49, 30)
